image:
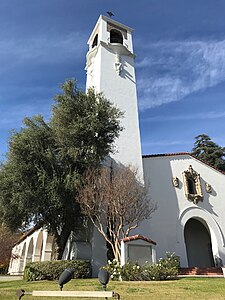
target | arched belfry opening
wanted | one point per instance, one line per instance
(198, 244)
(116, 36)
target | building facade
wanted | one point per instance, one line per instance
(189, 194)
(189, 220)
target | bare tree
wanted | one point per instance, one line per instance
(7, 239)
(116, 202)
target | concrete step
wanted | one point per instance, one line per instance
(201, 271)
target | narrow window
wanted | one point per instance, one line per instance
(116, 36)
(191, 186)
(95, 41)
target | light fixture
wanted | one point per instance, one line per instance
(65, 277)
(103, 277)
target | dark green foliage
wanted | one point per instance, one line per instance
(131, 272)
(51, 270)
(165, 269)
(208, 151)
(46, 160)
(3, 269)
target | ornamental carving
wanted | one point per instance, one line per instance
(192, 185)
(208, 188)
(175, 181)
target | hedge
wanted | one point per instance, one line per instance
(51, 270)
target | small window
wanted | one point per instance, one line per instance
(95, 41)
(116, 36)
(191, 186)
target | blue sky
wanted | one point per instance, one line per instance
(180, 63)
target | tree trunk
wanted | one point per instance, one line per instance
(61, 240)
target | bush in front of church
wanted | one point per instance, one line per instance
(165, 269)
(51, 270)
(131, 272)
(114, 269)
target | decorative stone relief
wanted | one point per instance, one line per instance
(192, 185)
(175, 181)
(118, 64)
(208, 188)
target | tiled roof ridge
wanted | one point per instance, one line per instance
(183, 153)
(137, 237)
(166, 154)
(29, 232)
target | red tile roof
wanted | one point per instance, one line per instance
(29, 232)
(138, 237)
(183, 153)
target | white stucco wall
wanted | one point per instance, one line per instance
(167, 224)
(119, 86)
(35, 247)
(120, 89)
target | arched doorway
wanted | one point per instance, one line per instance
(198, 244)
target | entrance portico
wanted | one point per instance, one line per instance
(198, 244)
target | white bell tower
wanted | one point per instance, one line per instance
(110, 69)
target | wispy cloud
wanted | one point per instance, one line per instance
(164, 143)
(186, 117)
(13, 116)
(41, 49)
(171, 70)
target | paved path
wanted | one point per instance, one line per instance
(10, 278)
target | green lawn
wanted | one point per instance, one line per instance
(185, 288)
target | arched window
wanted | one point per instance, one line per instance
(116, 36)
(95, 41)
(192, 185)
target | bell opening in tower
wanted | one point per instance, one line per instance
(116, 36)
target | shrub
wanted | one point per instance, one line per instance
(3, 269)
(165, 269)
(51, 270)
(131, 272)
(114, 269)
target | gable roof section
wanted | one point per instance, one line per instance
(138, 237)
(28, 233)
(182, 153)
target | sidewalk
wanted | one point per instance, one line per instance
(10, 278)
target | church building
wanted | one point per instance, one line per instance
(189, 194)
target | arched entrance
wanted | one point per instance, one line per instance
(198, 244)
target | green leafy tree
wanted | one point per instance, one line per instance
(40, 179)
(208, 151)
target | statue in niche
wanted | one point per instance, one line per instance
(175, 181)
